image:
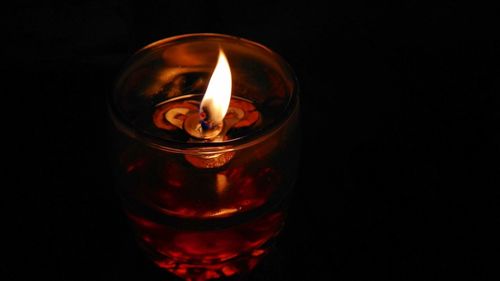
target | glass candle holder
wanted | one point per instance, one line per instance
(205, 196)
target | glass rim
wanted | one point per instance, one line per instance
(204, 148)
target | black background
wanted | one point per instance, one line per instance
(400, 116)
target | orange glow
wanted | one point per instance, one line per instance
(221, 183)
(218, 95)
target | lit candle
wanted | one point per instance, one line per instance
(207, 151)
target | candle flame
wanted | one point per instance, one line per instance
(216, 100)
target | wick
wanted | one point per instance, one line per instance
(204, 122)
(200, 126)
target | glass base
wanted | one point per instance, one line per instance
(237, 268)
